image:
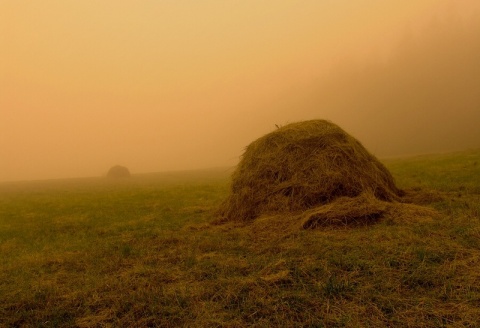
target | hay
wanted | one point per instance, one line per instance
(313, 168)
(118, 171)
(360, 210)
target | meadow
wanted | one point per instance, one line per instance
(142, 252)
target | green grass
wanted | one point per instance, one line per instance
(140, 252)
(445, 172)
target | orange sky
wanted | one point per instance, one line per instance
(177, 84)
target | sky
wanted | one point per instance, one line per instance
(161, 85)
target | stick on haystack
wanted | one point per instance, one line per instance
(313, 168)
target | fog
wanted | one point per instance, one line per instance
(174, 85)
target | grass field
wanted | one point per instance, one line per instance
(140, 252)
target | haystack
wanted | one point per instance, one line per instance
(118, 171)
(312, 168)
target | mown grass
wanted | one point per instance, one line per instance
(141, 252)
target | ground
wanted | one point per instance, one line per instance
(142, 252)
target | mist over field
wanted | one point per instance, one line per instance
(423, 98)
(162, 85)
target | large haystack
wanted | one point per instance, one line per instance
(313, 168)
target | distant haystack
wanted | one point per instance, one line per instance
(312, 168)
(118, 171)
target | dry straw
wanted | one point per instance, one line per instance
(118, 171)
(314, 169)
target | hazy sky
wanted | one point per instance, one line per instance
(181, 84)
